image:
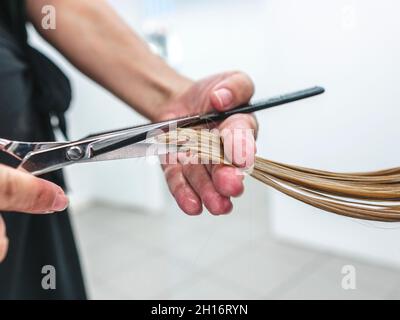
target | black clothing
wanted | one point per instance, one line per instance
(27, 101)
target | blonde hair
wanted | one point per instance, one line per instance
(369, 196)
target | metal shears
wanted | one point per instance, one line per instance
(43, 157)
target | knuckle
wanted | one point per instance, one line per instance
(174, 179)
(24, 193)
(8, 189)
(251, 119)
(42, 198)
(246, 84)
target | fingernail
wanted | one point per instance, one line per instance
(61, 202)
(225, 97)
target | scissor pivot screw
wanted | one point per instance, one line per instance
(74, 153)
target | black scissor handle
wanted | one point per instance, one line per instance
(266, 104)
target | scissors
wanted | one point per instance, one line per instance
(43, 157)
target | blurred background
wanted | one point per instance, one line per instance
(134, 241)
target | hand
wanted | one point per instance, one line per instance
(195, 185)
(22, 192)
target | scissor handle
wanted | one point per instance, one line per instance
(266, 104)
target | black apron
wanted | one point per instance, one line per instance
(32, 90)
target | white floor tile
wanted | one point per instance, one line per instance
(147, 280)
(394, 293)
(128, 254)
(263, 268)
(326, 282)
(206, 287)
(206, 246)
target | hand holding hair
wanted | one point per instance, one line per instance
(369, 196)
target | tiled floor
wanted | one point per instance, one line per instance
(128, 254)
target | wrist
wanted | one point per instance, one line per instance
(173, 88)
(157, 90)
(169, 91)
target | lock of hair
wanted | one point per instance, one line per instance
(368, 195)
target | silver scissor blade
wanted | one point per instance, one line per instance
(120, 139)
(44, 162)
(137, 150)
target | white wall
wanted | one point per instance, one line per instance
(349, 46)
(352, 48)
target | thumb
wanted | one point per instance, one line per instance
(23, 192)
(233, 91)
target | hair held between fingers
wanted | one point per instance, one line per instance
(366, 195)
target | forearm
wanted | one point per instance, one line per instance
(96, 40)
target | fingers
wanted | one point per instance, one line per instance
(3, 240)
(238, 135)
(191, 186)
(233, 91)
(23, 192)
(183, 193)
(200, 180)
(228, 181)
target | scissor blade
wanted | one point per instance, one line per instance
(137, 150)
(44, 162)
(127, 137)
